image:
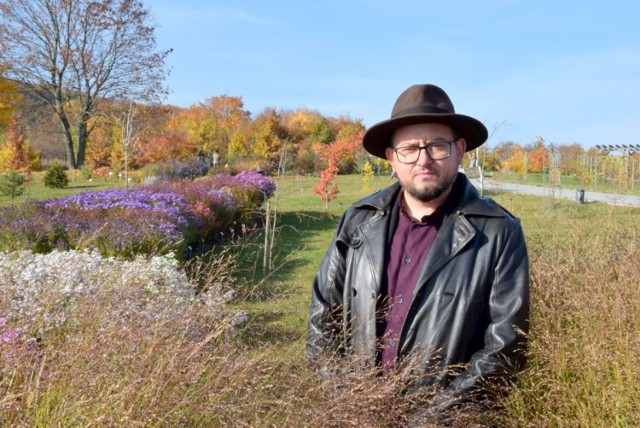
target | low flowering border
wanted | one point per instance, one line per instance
(158, 218)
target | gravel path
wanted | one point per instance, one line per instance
(609, 198)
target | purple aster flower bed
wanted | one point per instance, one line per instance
(152, 219)
(248, 188)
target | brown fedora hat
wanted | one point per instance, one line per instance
(423, 104)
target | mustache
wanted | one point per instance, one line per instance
(425, 169)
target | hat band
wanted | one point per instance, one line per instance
(420, 110)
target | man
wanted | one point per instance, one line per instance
(426, 270)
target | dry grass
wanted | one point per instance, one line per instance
(584, 341)
(188, 366)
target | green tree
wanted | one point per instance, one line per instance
(56, 177)
(12, 184)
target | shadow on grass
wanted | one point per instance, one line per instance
(84, 186)
(297, 235)
(276, 304)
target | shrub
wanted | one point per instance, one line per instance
(190, 168)
(12, 184)
(86, 172)
(102, 171)
(56, 177)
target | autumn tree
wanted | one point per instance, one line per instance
(347, 152)
(504, 150)
(570, 155)
(197, 126)
(230, 117)
(86, 51)
(334, 153)
(99, 151)
(167, 147)
(238, 146)
(213, 125)
(269, 135)
(516, 162)
(349, 129)
(537, 159)
(17, 155)
(325, 188)
(9, 99)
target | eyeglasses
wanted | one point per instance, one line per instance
(435, 151)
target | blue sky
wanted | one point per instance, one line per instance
(568, 71)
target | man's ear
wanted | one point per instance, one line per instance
(388, 152)
(461, 144)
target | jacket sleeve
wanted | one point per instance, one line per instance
(491, 368)
(324, 335)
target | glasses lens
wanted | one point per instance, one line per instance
(435, 151)
(408, 154)
(439, 151)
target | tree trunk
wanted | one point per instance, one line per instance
(82, 143)
(71, 157)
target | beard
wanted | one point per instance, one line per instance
(431, 192)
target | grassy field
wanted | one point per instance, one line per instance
(36, 189)
(585, 302)
(582, 367)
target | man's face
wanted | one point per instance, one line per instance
(421, 177)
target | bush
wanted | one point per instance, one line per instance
(56, 177)
(86, 172)
(190, 168)
(12, 184)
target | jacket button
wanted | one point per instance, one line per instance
(373, 296)
(381, 212)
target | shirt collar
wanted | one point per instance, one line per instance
(433, 218)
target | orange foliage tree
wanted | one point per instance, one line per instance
(17, 155)
(212, 125)
(99, 149)
(323, 188)
(339, 151)
(166, 147)
(536, 159)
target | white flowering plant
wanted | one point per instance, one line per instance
(38, 291)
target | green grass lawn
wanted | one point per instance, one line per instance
(37, 190)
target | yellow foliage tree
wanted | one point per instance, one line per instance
(17, 155)
(9, 99)
(516, 161)
(211, 125)
(269, 135)
(237, 146)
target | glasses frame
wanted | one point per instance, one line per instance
(426, 148)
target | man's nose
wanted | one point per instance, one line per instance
(423, 157)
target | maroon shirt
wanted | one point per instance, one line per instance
(410, 246)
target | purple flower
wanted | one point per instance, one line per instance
(8, 334)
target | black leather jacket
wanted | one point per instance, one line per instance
(470, 306)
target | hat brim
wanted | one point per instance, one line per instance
(377, 138)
